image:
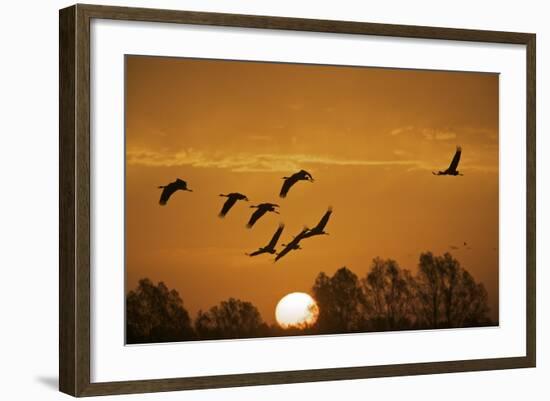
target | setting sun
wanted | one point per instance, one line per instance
(297, 310)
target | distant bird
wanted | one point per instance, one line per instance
(270, 248)
(453, 247)
(301, 175)
(319, 229)
(262, 209)
(292, 245)
(452, 170)
(232, 198)
(169, 189)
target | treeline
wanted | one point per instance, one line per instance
(441, 294)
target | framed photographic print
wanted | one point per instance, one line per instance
(251, 200)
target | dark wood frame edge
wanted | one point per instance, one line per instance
(74, 199)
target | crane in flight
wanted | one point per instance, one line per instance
(292, 245)
(301, 175)
(168, 190)
(319, 229)
(270, 248)
(232, 198)
(452, 170)
(261, 209)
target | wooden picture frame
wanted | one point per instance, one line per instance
(74, 200)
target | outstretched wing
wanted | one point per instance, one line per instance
(276, 236)
(255, 253)
(285, 250)
(456, 159)
(289, 182)
(292, 244)
(255, 216)
(227, 205)
(166, 193)
(301, 235)
(324, 220)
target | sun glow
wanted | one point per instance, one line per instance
(296, 310)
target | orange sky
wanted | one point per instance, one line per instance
(369, 136)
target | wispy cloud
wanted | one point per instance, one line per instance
(438, 135)
(401, 130)
(430, 134)
(246, 162)
(399, 152)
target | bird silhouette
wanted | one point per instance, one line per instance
(168, 190)
(292, 245)
(301, 175)
(269, 248)
(261, 209)
(232, 198)
(452, 170)
(319, 229)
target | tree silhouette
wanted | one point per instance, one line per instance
(474, 308)
(441, 294)
(155, 314)
(389, 290)
(429, 291)
(448, 295)
(342, 304)
(231, 319)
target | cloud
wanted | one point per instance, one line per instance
(401, 130)
(247, 162)
(430, 134)
(399, 152)
(437, 135)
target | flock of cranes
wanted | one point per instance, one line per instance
(263, 208)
